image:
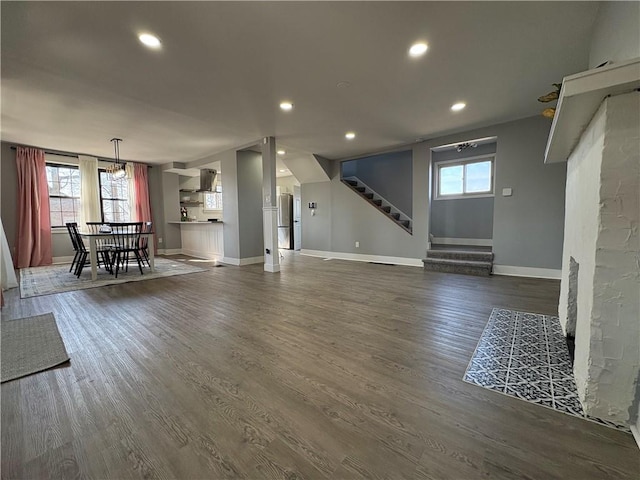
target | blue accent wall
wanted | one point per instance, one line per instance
(389, 174)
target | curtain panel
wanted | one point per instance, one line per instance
(142, 204)
(89, 190)
(34, 244)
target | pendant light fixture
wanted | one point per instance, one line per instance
(116, 169)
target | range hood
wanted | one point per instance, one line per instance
(207, 180)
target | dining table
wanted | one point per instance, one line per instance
(93, 238)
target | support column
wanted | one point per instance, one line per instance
(269, 205)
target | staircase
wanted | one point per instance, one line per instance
(462, 259)
(366, 192)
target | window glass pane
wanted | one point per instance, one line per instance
(64, 194)
(56, 218)
(478, 177)
(213, 201)
(451, 180)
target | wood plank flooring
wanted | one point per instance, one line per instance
(330, 369)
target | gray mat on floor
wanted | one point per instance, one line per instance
(30, 345)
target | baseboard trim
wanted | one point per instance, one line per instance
(359, 257)
(169, 251)
(239, 262)
(203, 255)
(59, 260)
(533, 272)
(271, 268)
(636, 434)
(476, 242)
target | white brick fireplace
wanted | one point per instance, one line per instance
(601, 235)
(600, 288)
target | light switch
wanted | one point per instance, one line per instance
(507, 192)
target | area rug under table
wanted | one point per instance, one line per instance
(30, 345)
(35, 281)
(525, 355)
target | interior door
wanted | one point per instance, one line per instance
(297, 215)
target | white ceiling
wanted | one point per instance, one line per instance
(74, 74)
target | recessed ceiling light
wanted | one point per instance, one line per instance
(418, 49)
(350, 135)
(286, 106)
(149, 40)
(281, 152)
(282, 170)
(456, 107)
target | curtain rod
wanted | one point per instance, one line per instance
(74, 155)
(51, 152)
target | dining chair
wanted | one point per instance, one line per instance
(125, 242)
(103, 246)
(147, 227)
(74, 242)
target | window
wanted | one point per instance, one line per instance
(114, 198)
(472, 177)
(64, 194)
(213, 200)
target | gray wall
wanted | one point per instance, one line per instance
(157, 204)
(616, 35)
(231, 229)
(316, 230)
(250, 204)
(527, 227)
(9, 195)
(462, 217)
(242, 200)
(389, 174)
(170, 209)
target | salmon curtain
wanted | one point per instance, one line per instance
(34, 245)
(142, 206)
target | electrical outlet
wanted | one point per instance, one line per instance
(357, 244)
(160, 240)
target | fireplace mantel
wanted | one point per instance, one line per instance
(580, 97)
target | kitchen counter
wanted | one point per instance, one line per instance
(202, 239)
(199, 222)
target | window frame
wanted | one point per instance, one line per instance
(464, 162)
(204, 201)
(101, 170)
(70, 167)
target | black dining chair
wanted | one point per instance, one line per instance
(82, 254)
(147, 227)
(103, 246)
(74, 242)
(125, 239)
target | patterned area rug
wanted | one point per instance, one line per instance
(30, 345)
(525, 355)
(35, 281)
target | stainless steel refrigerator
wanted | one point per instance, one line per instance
(285, 221)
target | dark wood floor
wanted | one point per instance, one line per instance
(331, 369)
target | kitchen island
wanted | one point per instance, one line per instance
(202, 239)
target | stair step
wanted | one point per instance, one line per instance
(376, 202)
(406, 223)
(395, 216)
(466, 267)
(386, 209)
(368, 196)
(470, 255)
(353, 183)
(360, 189)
